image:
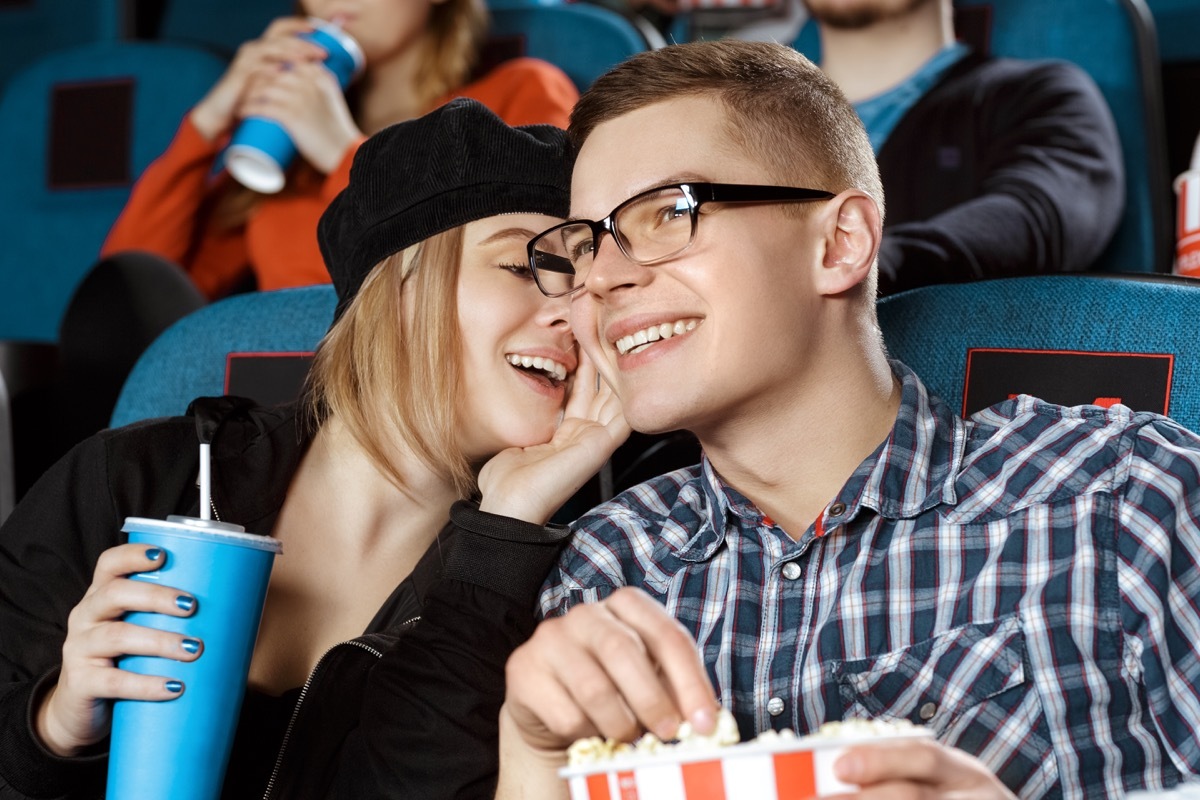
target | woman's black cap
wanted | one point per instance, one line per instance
(456, 164)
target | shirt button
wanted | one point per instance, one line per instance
(837, 509)
(926, 711)
(775, 706)
(791, 570)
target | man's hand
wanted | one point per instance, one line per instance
(614, 669)
(917, 770)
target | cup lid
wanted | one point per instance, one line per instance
(199, 528)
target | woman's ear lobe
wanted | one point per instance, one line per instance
(852, 236)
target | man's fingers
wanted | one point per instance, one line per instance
(631, 675)
(913, 760)
(919, 768)
(672, 648)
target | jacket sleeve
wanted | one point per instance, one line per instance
(429, 724)
(169, 214)
(1051, 186)
(48, 550)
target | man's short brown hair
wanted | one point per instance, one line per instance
(781, 108)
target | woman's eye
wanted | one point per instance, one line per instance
(520, 270)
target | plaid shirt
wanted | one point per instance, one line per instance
(1024, 582)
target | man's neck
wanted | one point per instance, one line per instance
(792, 461)
(868, 61)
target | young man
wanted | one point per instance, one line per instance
(1026, 583)
(993, 167)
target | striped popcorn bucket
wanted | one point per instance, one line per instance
(774, 770)
(1187, 240)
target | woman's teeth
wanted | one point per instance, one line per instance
(549, 366)
(652, 334)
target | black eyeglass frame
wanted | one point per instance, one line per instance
(696, 194)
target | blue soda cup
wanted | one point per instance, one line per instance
(179, 748)
(260, 151)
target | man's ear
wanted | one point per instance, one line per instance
(852, 230)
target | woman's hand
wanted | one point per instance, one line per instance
(76, 712)
(216, 113)
(306, 99)
(531, 483)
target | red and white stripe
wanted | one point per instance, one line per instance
(758, 776)
(1187, 247)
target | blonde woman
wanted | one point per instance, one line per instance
(443, 354)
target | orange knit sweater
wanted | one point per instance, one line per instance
(169, 210)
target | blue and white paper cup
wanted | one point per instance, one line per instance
(261, 150)
(179, 749)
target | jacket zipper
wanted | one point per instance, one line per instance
(287, 734)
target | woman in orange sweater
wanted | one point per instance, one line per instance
(418, 53)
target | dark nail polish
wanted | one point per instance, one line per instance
(185, 603)
(153, 553)
(173, 686)
(191, 645)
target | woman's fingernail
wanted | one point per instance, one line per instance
(185, 603)
(191, 645)
(173, 686)
(153, 553)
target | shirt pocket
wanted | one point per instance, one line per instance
(970, 686)
(937, 681)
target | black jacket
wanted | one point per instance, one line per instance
(1003, 168)
(409, 709)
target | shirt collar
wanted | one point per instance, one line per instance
(914, 469)
(910, 472)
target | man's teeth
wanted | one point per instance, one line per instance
(547, 365)
(654, 333)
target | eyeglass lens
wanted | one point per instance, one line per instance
(649, 228)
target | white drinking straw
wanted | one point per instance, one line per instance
(205, 482)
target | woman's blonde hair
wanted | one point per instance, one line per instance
(394, 382)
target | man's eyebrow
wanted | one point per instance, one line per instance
(682, 177)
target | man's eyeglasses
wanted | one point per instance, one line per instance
(649, 228)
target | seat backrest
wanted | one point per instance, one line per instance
(219, 25)
(261, 342)
(31, 28)
(1178, 25)
(582, 40)
(1114, 42)
(1069, 339)
(76, 129)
